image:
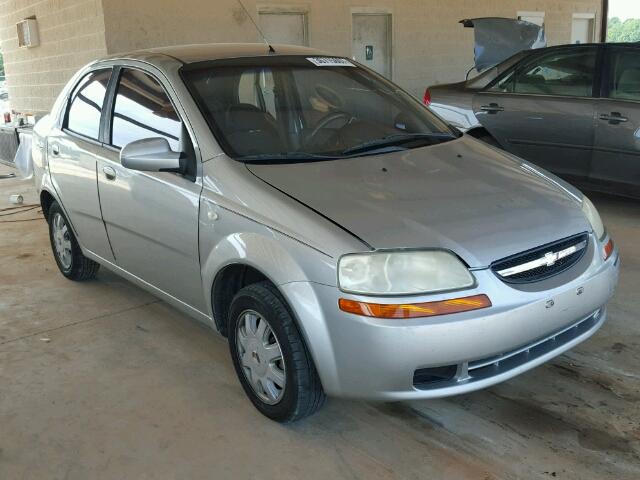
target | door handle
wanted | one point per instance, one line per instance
(614, 118)
(109, 172)
(55, 149)
(492, 108)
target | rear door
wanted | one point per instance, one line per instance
(617, 143)
(151, 217)
(73, 153)
(543, 109)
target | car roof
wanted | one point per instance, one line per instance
(216, 51)
(583, 45)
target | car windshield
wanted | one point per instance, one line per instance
(292, 108)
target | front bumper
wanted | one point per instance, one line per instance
(377, 359)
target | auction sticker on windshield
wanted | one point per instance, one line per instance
(330, 62)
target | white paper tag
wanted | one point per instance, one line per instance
(330, 62)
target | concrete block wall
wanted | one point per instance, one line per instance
(71, 35)
(429, 46)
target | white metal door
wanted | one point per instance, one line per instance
(582, 29)
(371, 43)
(284, 27)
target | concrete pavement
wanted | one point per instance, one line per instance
(101, 380)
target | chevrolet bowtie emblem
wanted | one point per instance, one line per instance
(547, 260)
(551, 258)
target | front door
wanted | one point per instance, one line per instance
(72, 152)
(543, 110)
(617, 144)
(371, 42)
(151, 218)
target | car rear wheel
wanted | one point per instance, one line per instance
(69, 258)
(269, 355)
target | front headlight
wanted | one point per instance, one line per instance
(402, 273)
(593, 216)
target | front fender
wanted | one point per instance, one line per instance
(280, 258)
(294, 268)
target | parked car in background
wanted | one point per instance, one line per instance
(573, 110)
(346, 240)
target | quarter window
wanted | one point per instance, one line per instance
(568, 74)
(143, 110)
(624, 81)
(86, 104)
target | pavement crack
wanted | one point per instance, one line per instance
(79, 322)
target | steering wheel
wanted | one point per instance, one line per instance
(326, 120)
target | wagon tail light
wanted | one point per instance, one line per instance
(426, 99)
(607, 250)
(414, 310)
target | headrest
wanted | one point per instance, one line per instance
(244, 116)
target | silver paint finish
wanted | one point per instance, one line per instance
(173, 236)
(74, 178)
(517, 318)
(152, 223)
(149, 155)
(406, 200)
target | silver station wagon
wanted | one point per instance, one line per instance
(344, 239)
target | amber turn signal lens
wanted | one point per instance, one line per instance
(608, 249)
(414, 310)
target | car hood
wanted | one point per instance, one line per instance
(461, 195)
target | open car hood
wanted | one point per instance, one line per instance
(497, 39)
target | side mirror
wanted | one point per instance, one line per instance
(150, 155)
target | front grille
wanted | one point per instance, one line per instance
(542, 262)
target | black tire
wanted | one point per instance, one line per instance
(302, 394)
(80, 267)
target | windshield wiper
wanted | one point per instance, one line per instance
(395, 140)
(288, 157)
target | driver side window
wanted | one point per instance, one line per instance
(568, 73)
(142, 109)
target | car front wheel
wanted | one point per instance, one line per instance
(269, 355)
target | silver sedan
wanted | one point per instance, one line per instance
(346, 240)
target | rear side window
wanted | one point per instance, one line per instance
(624, 80)
(566, 73)
(85, 107)
(142, 110)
